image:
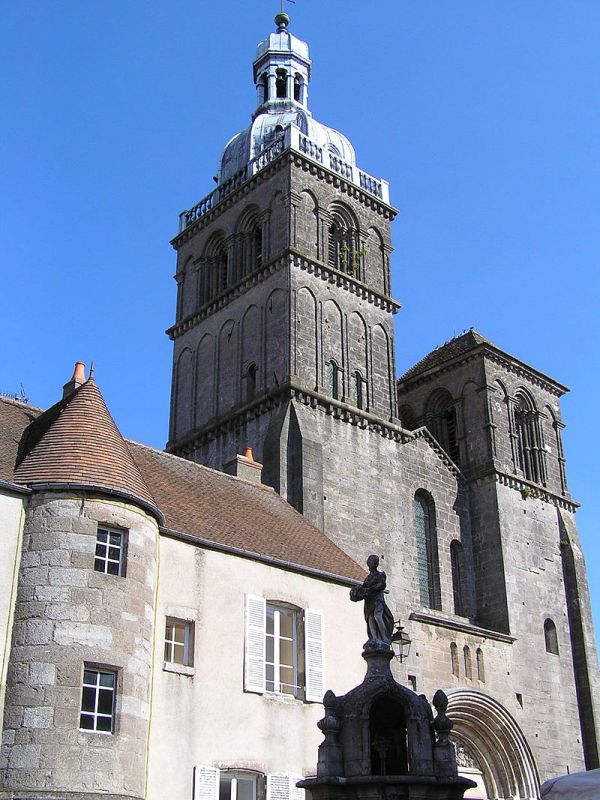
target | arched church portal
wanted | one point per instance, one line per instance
(491, 748)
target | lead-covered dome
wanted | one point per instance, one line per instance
(282, 71)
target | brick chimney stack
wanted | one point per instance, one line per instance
(77, 380)
(245, 467)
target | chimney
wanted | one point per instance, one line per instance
(245, 467)
(76, 381)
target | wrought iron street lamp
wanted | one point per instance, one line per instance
(401, 642)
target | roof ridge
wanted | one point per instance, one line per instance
(21, 403)
(201, 466)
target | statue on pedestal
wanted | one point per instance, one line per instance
(379, 619)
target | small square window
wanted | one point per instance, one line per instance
(179, 642)
(110, 552)
(98, 700)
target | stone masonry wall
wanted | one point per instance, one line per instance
(67, 616)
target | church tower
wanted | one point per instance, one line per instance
(283, 339)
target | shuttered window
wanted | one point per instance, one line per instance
(206, 783)
(283, 787)
(283, 650)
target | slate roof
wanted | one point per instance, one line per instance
(237, 514)
(77, 441)
(455, 347)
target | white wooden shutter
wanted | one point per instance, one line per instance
(283, 787)
(206, 783)
(254, 646)
(314, 655)
(295, 792)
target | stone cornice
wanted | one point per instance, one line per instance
(293, 389)
(346, 187)
(231, 199)
(288, 257)
(222, 300)
(343, 280)
(462, 625)
(508, 362)
(524, 487)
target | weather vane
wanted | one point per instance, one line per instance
(286, 1)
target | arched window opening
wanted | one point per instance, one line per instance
(257, 245)
(442, 422)
(480, 667)
(222, 270)
(550, 637)
(360, 390)
(342, 249)
(333, 380)
(427, 551)
(281, 83)
(251, 373)
(454, 658)
(298, 88)
(457, 557)
(467, 660)
(387, 729)
(264, 82)
(530, 451)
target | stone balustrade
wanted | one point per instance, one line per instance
(291, 139)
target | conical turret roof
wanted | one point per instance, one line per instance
(77, 441)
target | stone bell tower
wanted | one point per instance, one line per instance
(283, 337)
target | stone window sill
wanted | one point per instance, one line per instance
(179, 669)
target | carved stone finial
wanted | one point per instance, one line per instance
(442, 724)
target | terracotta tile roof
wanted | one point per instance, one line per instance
(14, 418)
(229, 511)
(77, 441)
(455, 347)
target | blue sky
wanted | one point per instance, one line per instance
(484, 117)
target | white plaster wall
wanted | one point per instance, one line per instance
(207, 718)
(11, 533)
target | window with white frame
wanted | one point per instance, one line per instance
(283, 642)
(110, 551)
(98, 696)
(237, 785)
(283, 650)
(211, 783)
(179, 642)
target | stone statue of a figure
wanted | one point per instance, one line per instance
(379, 619)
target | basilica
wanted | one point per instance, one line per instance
(172, 619)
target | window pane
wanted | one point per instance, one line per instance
(179, 632)
(224, 788)
(270, 616)
(178, 653)
(107, 679)
(286, 676)
(114, 553)
(100, 550)
(286, 623)
(104, 724)
(102, 535)
(270, 649)
(116, 538)
(286, 653)
(105, 701)
(88, 697)
(112, 567)
(86, 722)
(89, 677)
(168, 651)
(270, 677)
(245, 789)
